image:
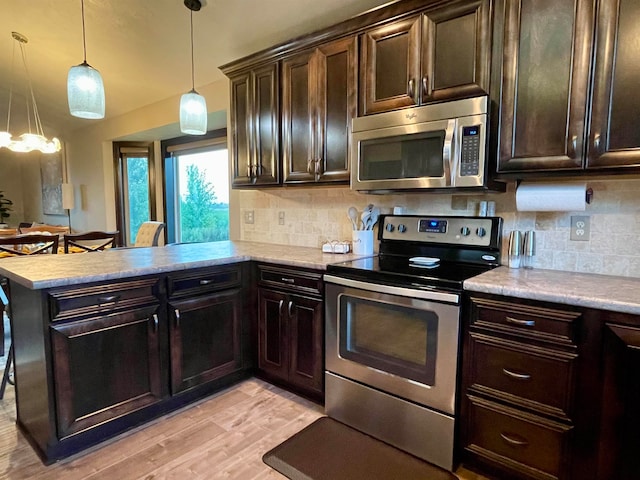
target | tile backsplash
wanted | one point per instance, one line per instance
(313, 215)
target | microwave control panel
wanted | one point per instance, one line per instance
(470, 151)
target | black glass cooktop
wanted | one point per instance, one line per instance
(400, 271)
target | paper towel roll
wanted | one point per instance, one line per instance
(551, 197)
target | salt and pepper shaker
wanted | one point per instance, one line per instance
(482, 209)
(529, 248)
(491, 209)
(515, 249)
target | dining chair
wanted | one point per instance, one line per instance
(149, 234)
(17, 246)
(95, 241)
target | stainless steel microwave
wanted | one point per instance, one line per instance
(437, 146)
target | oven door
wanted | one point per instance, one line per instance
(401, 341)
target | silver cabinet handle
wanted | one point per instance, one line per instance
(290, 308)
(310, 166)
(288, 280)
(155, 322)
(512, 440)
(411, 90)
(205, 282)
(426, 88)
(523, 323)
(596, 142)
(110, 298)
(249, 170)
(574, 146)
(280, 304)
(177, 313)
(517, 376)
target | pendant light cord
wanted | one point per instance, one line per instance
(84, 40)
(193, 87)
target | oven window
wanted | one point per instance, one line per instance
(393, 338)
(415, 155)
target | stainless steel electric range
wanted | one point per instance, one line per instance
(393, 327)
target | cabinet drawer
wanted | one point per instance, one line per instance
(536, 378)
(528, 321)
(205, 280)
(300, 280)
(97, 299)
(527, 444)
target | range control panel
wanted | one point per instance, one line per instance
(471, 231)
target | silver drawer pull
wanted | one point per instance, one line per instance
(155, 322)
(517, 376)
(280, 304)
(205, 282)
(290, 308)
(110, 298)
(177, 313)
(288, 280)
(512, 440)
(523, 323)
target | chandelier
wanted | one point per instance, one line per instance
(34, 139)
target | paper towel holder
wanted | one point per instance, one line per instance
(588, 193)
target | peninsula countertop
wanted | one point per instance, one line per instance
(48, 271)
(603, 292)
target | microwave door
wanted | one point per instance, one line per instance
(403, 157)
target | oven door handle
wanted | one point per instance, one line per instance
(392, 290)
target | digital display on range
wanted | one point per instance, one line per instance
(430, 225)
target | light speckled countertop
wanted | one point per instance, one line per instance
(46, 271)
(604, 292)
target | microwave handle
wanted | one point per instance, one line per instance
(447, 152)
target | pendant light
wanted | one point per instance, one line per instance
(193, 107)
(85, 90)
(34, 139)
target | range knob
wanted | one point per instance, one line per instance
(465, 231)
(389, 227)
(402, 228)
(481, 232)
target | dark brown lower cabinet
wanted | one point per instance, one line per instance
(549, 391)
(105, 367)
(204, 338)
(290, 340)
(290, 346)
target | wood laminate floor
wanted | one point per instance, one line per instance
(221, 437)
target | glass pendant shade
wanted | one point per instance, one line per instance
(193, 114)
(85, 92)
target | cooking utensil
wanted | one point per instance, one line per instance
(354, 217)
(373, 218)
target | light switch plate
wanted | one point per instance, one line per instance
(248, 216)
(280, 218)
(580, 228)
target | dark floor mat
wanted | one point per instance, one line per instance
(330, 450)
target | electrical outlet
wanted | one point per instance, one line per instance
(580, 228)
(248, 216)
(280, 218)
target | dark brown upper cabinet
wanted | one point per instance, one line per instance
(546, 123)
(319, 97)
(543, 80)
(614, 137)
(255, 128)
(442, 54)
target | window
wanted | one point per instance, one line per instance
(135, 195)
(197, 189)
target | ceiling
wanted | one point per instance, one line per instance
(141, 47)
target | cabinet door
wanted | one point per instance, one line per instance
(273, 353)
(254, 120)
(298, 118)
(105, 367)
(614, 137)
(306, 332)
(204, 336)
(620, 423)
(266, 131)
(544, 83)
(241, 129)
(337, 104)
(391, 66)
(456, 45)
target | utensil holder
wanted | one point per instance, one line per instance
(362, 242)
